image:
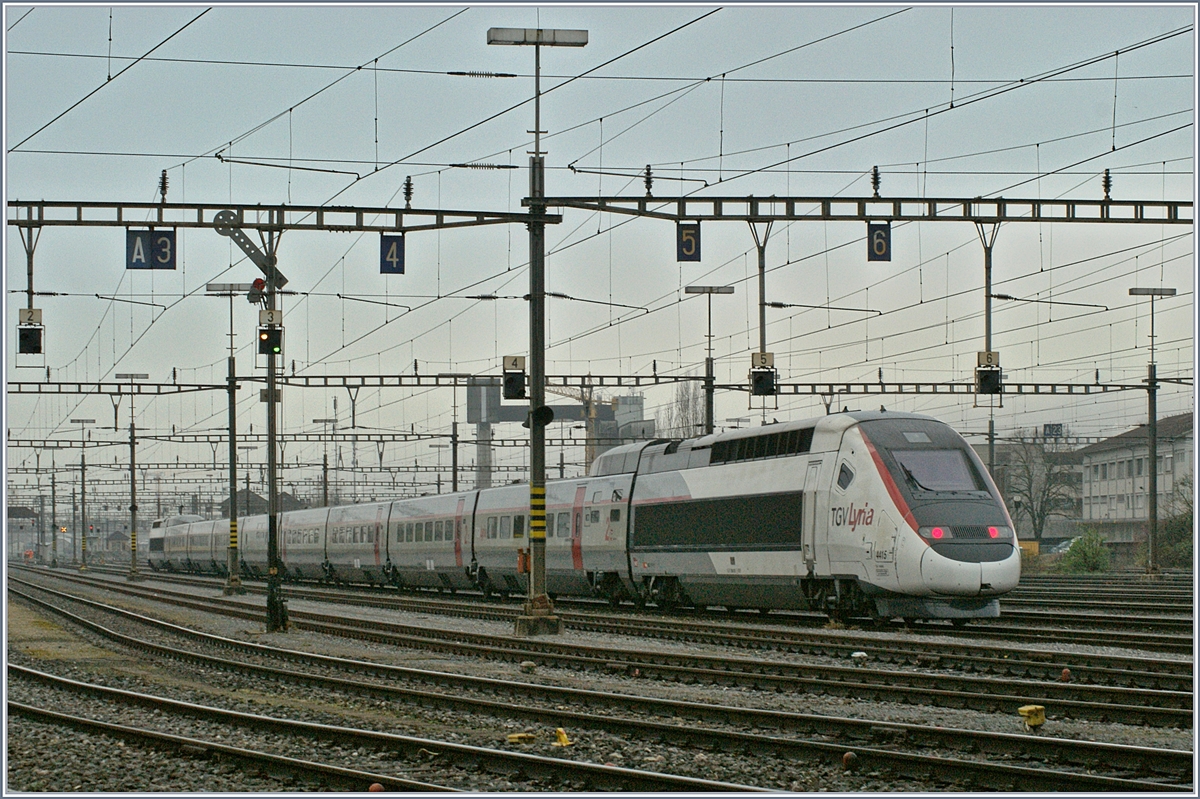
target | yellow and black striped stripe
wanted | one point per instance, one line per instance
(233, 533)
(537, 513)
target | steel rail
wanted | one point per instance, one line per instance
(1160, 673)
(349, 778)
(912, 687)
(1078, 753)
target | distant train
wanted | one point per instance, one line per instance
(879, 513)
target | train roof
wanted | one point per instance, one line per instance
(834, 422)
(831, 425)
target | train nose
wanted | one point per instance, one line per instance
(942, 575)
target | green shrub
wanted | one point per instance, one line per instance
(1175, 539)
(1087, 554)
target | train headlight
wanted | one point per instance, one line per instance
(965, 533)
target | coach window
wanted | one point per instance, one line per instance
(614, 515)
(408, 532)
(437, 531)
(428, 531)
(492, 526)
(845, 477)
(518, 526)
(564, 525)
(506, 527)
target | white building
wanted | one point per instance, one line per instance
(1116, 474)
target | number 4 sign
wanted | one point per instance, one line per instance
(391, 254)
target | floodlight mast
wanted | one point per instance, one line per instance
(133, 575)
(1152, 432)
(226, 225)
(538, 615)
(233, 580)
(82, 492)
(709, 379)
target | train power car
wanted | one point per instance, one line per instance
(875, 513)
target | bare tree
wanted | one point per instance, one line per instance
(1042, 481)
(1179, 502)
(684, 416)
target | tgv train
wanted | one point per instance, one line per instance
(887, 514)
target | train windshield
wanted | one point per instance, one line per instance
(938, 470)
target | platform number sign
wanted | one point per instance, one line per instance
(687, 241)
(879, 241)
(149, 249)
(391, 254)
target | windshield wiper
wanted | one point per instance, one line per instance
(913, 480)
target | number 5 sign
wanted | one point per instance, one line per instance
(879, 241)
(687, 241)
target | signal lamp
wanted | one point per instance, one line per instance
(29, 340)
(514, 385)
(270, 340)
(987, 381)
(762, 382)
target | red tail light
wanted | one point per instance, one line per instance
(993, 532)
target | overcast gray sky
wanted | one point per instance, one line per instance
(312, 105)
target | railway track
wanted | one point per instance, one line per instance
(1073, 762)
(1134, 705)
(754, 633)
(544, 773)
(1119, 628)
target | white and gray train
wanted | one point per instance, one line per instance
(888, 514)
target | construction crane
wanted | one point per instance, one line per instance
(584, 396)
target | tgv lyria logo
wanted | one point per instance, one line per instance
(852, 516)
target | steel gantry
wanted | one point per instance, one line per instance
(980, 211)
(25, 214)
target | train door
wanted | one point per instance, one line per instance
(458, 531)
(809, 525)
(380, 529)
(883, 552)
(577, 528)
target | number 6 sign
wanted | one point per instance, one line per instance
(879, 241)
